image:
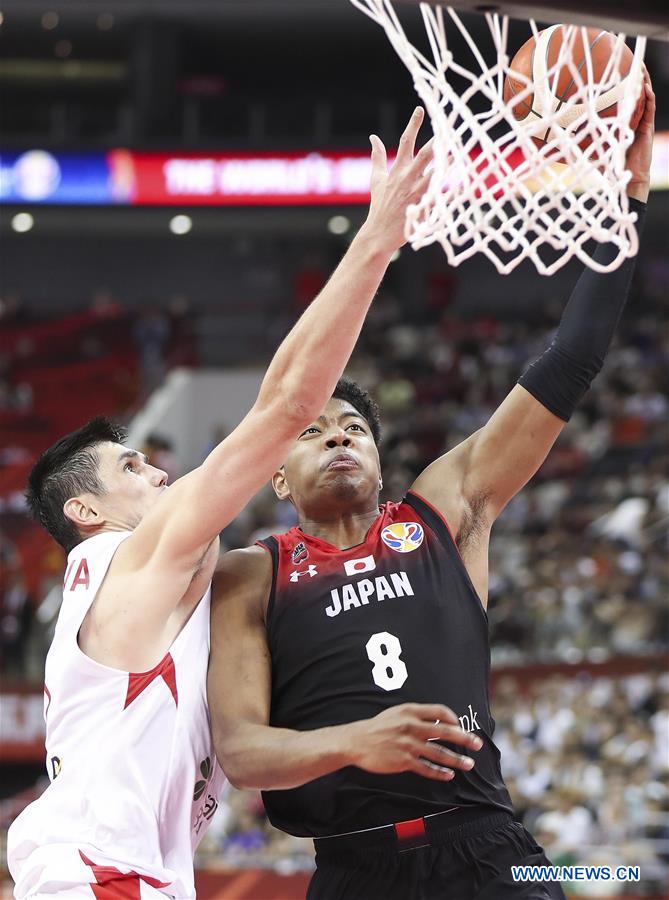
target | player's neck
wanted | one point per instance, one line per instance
(345, 530)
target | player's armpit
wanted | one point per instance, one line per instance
(441, 484)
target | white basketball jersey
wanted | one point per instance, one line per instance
(134, 777)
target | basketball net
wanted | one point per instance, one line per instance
(492, 189)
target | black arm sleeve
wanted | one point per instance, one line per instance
(564, 372)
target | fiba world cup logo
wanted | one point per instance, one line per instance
(403, 537)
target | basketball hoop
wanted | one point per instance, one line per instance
(493, 189)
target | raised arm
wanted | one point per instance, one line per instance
(300, 378)
(255, 755)
(472, 484)
(169, 543)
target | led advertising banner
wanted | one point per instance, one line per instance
(267, 179)
(161, 179)
(132, 178)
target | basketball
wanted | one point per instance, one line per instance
(535, 61)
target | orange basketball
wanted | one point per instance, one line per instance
(536, 59)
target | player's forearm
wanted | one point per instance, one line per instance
(266, 758)
(312, 357)
(561, 377)
(597, 301)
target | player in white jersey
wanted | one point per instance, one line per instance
(134, 779)
(115, 741)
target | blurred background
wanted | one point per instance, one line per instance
(178, 179)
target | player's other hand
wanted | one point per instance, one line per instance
(392, 191)
(404, 739)
(639, 154)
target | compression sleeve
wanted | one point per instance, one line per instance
(563, 373)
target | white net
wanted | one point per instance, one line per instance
(493, 190)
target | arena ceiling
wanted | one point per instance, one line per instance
(612, 12)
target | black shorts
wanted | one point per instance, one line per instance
(468, 861)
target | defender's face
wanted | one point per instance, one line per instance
(132, 484)
(335, 458)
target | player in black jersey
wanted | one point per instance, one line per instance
(349, 657)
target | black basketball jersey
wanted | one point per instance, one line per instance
(352, 632)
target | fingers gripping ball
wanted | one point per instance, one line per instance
(555, 83)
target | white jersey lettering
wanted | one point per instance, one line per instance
(383, 588)
(365, 589)
(401, 584)
(349, 597)
(359, 593)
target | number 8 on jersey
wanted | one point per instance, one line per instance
(389, 671)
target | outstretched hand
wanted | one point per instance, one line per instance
(394, 190)
(639, 154)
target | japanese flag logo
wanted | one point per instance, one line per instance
(403, 537)
(358, 566)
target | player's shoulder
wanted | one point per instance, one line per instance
(245, 561)
(247, 571)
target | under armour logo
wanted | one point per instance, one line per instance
(310, 571)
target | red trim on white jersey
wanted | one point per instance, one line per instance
(139, 681)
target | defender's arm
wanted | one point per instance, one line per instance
(167, 547)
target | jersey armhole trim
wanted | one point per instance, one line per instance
(271, 545)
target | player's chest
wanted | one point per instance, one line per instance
(367, 581)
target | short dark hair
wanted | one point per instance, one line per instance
(362, 401)
(68, 468)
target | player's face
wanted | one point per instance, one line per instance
(132, 485)
(334, 459)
